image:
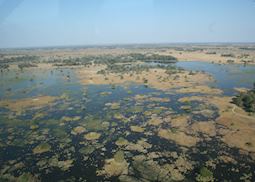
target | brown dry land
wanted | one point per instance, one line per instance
(234, 125)
(156, 78)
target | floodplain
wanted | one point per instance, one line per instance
(128, 113)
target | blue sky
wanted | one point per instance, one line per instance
(29, 23)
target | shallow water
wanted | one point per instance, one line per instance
(93, 108)
(227, 76)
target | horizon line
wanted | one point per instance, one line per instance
(125, 44)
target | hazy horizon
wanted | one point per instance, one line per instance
(56, 23)
(131, 44)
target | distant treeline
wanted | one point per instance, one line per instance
(153, 57)
(113, 59)
(227, 55)
(130, 68)
(25, 58)
(247, 48)
(26, 65)
(72, 61)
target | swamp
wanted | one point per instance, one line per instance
(126, 114)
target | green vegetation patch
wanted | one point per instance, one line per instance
(121, 142)
(205, 175)
(41, 148)
(87, 150)
(119, 156)
(95, 124)
(246, 100)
